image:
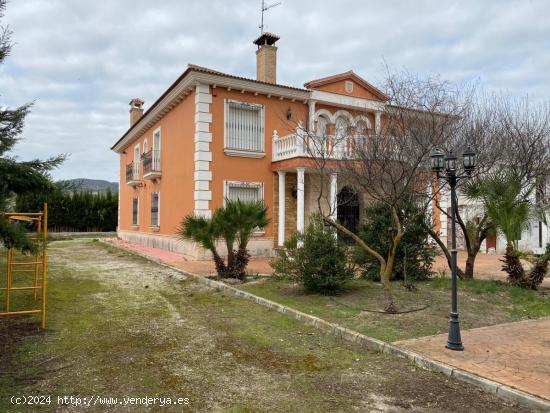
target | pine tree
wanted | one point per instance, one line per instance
(17, 177)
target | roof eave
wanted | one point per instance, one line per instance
(192, 76)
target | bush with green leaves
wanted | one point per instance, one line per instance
(415, 254)
(320, 264)
(73, 210)
(233, 223)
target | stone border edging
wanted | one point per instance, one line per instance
(490, 386)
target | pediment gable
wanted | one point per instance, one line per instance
(348, 84)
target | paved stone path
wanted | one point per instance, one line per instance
(515, 354)
(487, 267)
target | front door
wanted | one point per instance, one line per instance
(348, 211)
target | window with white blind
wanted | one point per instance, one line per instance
(244, 129)
(244, 191)
(155, 209)
(135, 211)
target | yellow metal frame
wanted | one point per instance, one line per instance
(40, 265)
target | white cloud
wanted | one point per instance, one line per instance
(81, 62)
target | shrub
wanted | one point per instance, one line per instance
(234, 223)
(414, 252)
(320, 264)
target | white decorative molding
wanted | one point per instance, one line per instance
(282, 211)
(177, 92)
(326, 113)
(203, 155)
(349, 101)
(377, 122)
(344, 114)
(244, 154)
(363, 118)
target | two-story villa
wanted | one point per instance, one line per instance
(213, 136)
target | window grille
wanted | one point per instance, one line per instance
(244, 126)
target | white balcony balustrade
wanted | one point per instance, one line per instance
(301, 144)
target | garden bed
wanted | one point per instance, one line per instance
(481, 303)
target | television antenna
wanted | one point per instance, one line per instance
(266, 7)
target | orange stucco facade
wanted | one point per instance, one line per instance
(176, 183)
(196, 166)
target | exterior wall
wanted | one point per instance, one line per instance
(340, 89)
(237, 168)
(291, 206)
(176, 185)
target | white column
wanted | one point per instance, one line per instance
(281, 208)
(300, 196)
(311, 118)
(377, 122)
(332, 194)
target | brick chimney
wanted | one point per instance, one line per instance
(136, 110)
(266, 58)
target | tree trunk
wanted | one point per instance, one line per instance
(221, 269)
(446, 252)
(241, 261)
(512, 266)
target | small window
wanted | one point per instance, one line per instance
(244, 191)
(135, 211)
(349, 86)
(244, 127)
(155, 209)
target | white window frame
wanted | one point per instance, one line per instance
(135, 224)
(228, 184)
(239, 151)
(137, 161)
(156, 132)
(158, 209)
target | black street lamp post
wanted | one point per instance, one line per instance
(439, 162)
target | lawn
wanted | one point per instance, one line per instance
(481, 303)
(120, 326)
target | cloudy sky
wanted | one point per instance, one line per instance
(82, 61)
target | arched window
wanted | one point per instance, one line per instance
(361, 128)
(342, 126)
(322, 123)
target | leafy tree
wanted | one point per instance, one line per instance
(234, 223)
(414, 254)
(74, 211)
(17, 177)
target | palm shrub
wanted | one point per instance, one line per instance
(234, 223)
(414, 255)
(506, 199)
(204, 232)
(320, 264)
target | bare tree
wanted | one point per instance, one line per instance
(388, 165)
(508, 135)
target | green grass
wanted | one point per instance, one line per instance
(481, 303)
(119, 325)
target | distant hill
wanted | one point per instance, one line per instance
(92, 185)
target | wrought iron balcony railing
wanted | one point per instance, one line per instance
(132, 173)
(151, 164)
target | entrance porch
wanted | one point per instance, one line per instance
(301, 191)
